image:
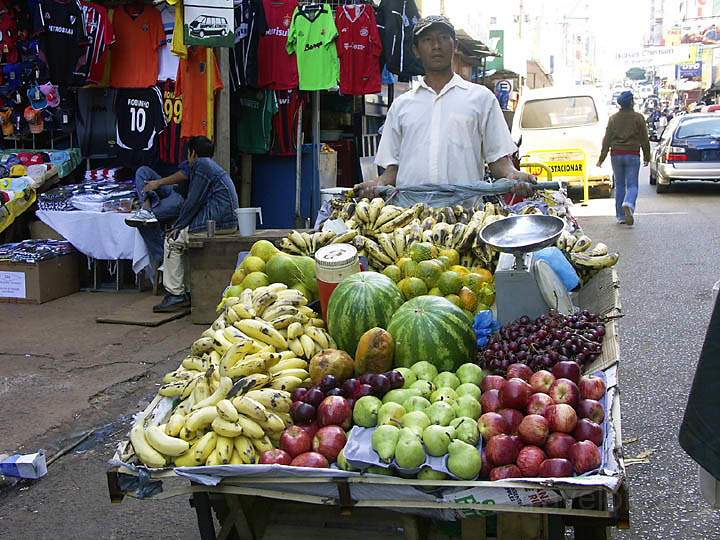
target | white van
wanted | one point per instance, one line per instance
(548, 122)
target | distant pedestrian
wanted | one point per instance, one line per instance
(625, 135)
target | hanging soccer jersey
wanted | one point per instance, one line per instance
(312, 37)
(168, 61)
(254, 111)
(170, 142)
(140, 117)
(100, 36)
(135, 61)
(197, 81)
(62, 31)
(277, 69)
(359, 48)
(249, 26)
(284, 123)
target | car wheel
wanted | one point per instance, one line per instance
(653, 178)
(662, 188)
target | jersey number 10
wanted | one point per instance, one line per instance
(138, 119)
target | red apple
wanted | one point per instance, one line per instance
(486, 465)
(585, 456)
(534, 429)
(276, 456)
(334, 411)
(515, 394)
(561, 418)
(502, 450)
(529, 460)
(507, 471)
(491, 424)
(555, 468)
(541, 381)
(490, 400)
(592, 409)
(328, 441)
(592, 387)
(519, 371)
(491, 382)
(517, 441)
(310, 428)
(565, 391)
(558, 445)
(295, 441)
(512, 418)
(539, 403)
(587, 430)
(567, 370)
(311, 459)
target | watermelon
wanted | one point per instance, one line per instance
(361, 302)
(432, 328)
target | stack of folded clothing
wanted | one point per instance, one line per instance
(33, 251)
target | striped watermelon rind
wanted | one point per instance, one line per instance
(434, 329)
(361, 302)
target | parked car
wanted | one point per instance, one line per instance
(689, 150)
(207, 25)
(553, 120)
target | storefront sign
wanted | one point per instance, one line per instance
(12, 284)
(210, 23)
(688, 71)
(496, 43)
(655, 56)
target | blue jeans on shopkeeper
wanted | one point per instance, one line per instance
(626, 169)
(165, 203)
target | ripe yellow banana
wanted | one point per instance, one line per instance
(251, 408)
(273, 312)
(318, 336)
(250, 428)
(246, 367)
(184, 407)
(291, 363)
(245, 450)
(307, 311)
(202, 390)
(277, 401)
(180, 374)
(317, 323)
(186, 460)
(187, 435)
(175, 423)
(213, 459)
(263, 301)
(294, 330)
(285, 417)
(582, 244)
(292, 372)
(262, 444)
(220, 342)
(240, 311)
(273, 423)
(293, 296)
(222, 390)
(236, 353)
(296, 347)
(165, 444)
(235, 458)
(226, 410)
(201, 418)
(224, 449)
(201, 346)
(252, 382)
(288, 384)
(605, 261)
(174, 389)
(195, 363)
(145, 453)
(262, 331)
(308, 346)
(225, 428)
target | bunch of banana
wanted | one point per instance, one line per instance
(305, 341)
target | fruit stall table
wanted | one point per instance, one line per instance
(212, 261)
(264, 501)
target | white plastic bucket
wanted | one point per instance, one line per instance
(247, 220)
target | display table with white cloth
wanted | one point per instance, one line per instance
(100, 235)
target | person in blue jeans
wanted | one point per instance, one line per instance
(625, 136)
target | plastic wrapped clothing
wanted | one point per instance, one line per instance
(485, 325)
(700, 429)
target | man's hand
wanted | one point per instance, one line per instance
(152, 185)
(525, 182)
(599, 163)
(366, 189)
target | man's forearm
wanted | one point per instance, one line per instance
(389, 177)
(502, 168)
(175, 178)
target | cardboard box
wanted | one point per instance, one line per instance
(41, 231)
(38, 283)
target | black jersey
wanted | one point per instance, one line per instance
(249, 26)
(140, 117)
(62, 36)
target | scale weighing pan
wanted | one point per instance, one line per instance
(521, 234)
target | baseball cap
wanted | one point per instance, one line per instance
(433, 21)
(34, 118)
(37, 171)
(38, 101)
(51, 94)
(18, 170)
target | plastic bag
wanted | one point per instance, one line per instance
(485, 326)
(440, 196)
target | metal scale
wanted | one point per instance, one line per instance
(526, 285)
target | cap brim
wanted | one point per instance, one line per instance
(444, 26)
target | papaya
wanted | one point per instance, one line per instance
(375, 352)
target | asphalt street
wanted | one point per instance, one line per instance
(670, 261)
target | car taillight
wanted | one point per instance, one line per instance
(675, 153)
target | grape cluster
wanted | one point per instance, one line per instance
(545, 341)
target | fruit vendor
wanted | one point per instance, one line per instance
(447, 129)
(211, 196)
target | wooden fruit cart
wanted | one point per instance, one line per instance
(261, 502)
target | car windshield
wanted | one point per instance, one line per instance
(698, 127)
(559, 112)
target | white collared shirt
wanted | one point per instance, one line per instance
(444, 138)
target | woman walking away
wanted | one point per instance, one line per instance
(625, 135)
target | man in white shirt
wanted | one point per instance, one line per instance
(447, 129)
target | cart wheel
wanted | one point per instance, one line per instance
(653, 179)
(662, 188)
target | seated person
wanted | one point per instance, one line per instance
(211, 196)
(159, 198)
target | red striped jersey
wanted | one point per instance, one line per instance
(100, 36)
(359, 48)
(277, 70)
(170, 143)
(284, 123)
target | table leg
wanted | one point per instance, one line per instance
(201, 502)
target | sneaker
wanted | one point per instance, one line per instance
(172, 303)
(629, 218)
(621, 222)
(140, 218)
